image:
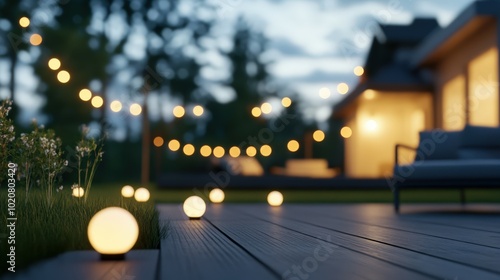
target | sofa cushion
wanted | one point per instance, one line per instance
(480, 137)
(472, 153)
(449, 169)
(438, 145)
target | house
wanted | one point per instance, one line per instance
(421, 76)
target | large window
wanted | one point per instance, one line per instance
(483, 89)
(454, 104)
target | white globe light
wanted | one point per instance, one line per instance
(112, 232)
(78, 192)
(275, 198)
(127, 191)
(141, 195)
(194, 207)
(216, 195)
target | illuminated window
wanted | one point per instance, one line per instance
(454, 104)
(483, 89)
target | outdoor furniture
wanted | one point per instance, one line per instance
(308, 167)
(461, 159)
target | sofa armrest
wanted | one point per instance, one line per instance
(396, 151)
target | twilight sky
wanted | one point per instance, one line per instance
(313, 44)
(318, 43)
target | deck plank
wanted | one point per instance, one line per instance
(434, 266)
(194, 249)
(371, 215)
(284, 249)
(361, 241)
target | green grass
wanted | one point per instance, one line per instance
(312, 196)
(42, 231)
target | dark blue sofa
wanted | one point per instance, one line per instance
(463, 159)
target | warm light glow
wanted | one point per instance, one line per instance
(219, 152)
(266, 108)
(179, 111)
(115, 106)
(97, 101)
(324, 92)
(359, 71)
(256, 112)
(371, 125)
(286, 102)
(63, 76)
(85, 94)
(198, 110)
(24, 22)
(216, 196)
(36, 39)
(318, 136)
(369, 94)
(342, 88)
(158, 141)
(141, 195)
(275, 198)
(293, 145)
(113, 231)
(251, 151)
(128, 191)
(174, 145)
(194, 207)
(78, 192)
(188, 149)
(135, 109)
(235, 152)
(54, 63)
(346, 132)
(205, 150)
(266, 150)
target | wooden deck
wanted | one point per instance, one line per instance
(332, 241)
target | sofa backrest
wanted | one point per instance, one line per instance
(438, 144)
(473, 142)
(480, 142)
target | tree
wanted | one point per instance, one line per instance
(233, 122)
(14, 37)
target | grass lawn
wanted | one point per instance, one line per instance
(313, 196)
(43, 231)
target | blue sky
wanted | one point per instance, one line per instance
(318, 43)
(313, 44)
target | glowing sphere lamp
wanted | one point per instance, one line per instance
(275, 198)
(194, 207)
(112, 232)
(128, 191)
(78, 192)
(216, 195)
(141, 195)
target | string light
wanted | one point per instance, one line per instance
(135, 109)
(115, 106)
(205, 151)
(85, 94)
(24, 22)
(158, 141)
(235, 152)
(286, 102)
(174, 145)
(54, 63)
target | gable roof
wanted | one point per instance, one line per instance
(443, 40)
(387, 65)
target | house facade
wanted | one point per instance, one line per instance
(418, 77)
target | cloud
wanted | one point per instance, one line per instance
(288, 48)
(320, 76)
